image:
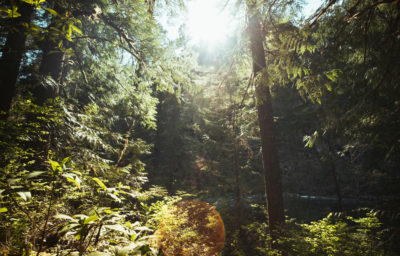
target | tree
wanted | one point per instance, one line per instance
(273, 185)
(19, 16)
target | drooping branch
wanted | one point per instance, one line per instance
(369, 8)
(322, 12)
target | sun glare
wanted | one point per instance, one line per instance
(209, 22)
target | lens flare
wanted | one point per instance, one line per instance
(191, 228)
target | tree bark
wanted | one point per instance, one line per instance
(272, 176)
(51, 65)
(12, 55)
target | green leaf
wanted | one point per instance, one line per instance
(63, 216)
(116, 227)
(74, 181)
(55, 166)
(12, 13)
(108, 211)
(100, 183)
(76, 29)
(78, 237)
(91, 219)
(53, 12)
(143, 228)
(32, 2)
(34, 174)
(333, 75)
(133, 237)
(115, 197)
(69, 227)
(328, 87)
(4, 209)
(64, 161)
(80, 216)
(99, 254)
(26, 195)
(112, 241)
(71, 177)
(77, 172)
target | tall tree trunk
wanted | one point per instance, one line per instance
(272, 176)
(51, 66)
(12, 55)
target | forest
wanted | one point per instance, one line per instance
(274, 133)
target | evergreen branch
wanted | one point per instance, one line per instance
(110, 41)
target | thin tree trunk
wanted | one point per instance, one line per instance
(236, 166)
(332, 167)
(12, 55)
(272, 176)
(237, 173)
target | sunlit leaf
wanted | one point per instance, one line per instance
(26, 195)
(65, 160)
(69, 227)
(63, 216)
(100, 183)
(32, 2)
(116, 198)
(328, 87)
(34, 174)
(133, 237)
(76, 29)
(116, 227)
(3, 209)
(55, 166)
(142, 228)
(53, 12)
(76, 182)
(91, 219)
(77, 172)
(12, 13)
(112, 241)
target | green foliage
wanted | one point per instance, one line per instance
(73, 170)
(332, 235)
